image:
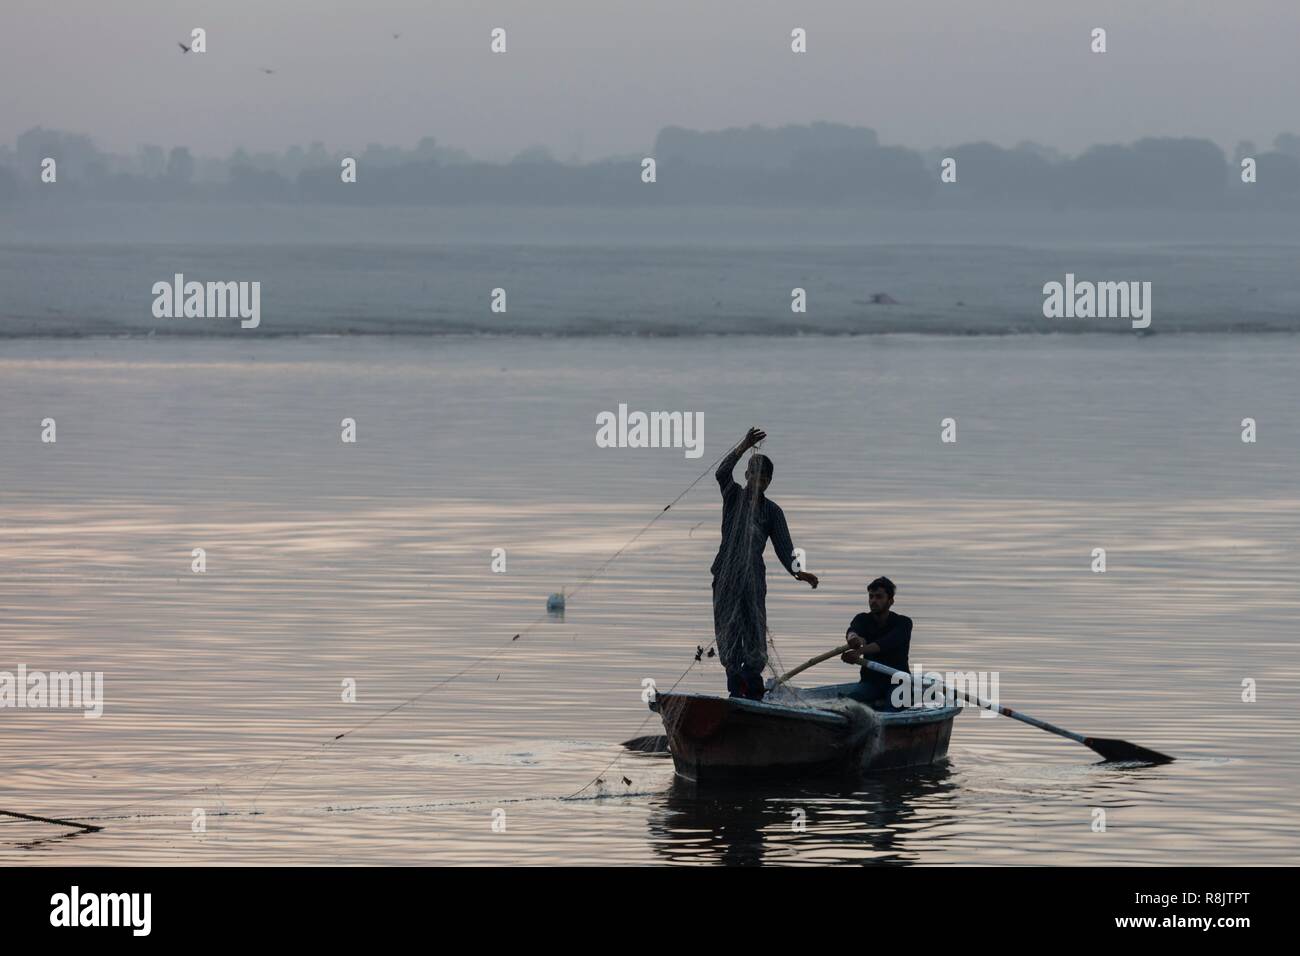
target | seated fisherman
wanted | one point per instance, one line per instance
(881, 636)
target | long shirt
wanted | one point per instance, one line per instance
(738, 507)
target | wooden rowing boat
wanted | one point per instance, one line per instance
(817, 731)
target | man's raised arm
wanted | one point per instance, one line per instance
(728, 464)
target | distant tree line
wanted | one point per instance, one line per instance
(818, 164)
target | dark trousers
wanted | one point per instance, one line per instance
(744, 682)
(740, 627)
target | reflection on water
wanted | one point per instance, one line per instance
(866, 821)
(942, 813)
(372, 564)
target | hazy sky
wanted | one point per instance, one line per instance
(596, 77)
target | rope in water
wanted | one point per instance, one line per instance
(319, 749)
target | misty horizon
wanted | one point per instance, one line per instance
(820, 164)
(431, 145)
(591, 84)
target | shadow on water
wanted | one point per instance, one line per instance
(870, 819)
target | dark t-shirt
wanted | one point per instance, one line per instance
(894, 638)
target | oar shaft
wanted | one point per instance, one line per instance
(809, 663)
(969, 698)
(985, 705)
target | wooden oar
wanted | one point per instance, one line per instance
(809, 663)
(1108, 748)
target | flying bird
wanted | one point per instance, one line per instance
(396, 35)
(184, 48)
(265, 70)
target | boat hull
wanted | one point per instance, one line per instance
(724, 738)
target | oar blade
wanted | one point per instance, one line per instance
(654, 744)
(1123, 750)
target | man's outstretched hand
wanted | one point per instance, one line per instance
(808, 577)
(752, 438)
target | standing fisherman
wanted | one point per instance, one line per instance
(739, 576)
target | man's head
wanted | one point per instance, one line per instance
(880, 595)
(758, 473)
